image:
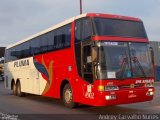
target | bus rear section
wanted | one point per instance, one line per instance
(94, 59)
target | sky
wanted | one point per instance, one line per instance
(22, 18)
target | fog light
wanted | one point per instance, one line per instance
(110, 97)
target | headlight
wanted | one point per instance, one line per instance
(111, 97)
(107, 88)
(150, 93)
(148, 85)
(111, 88)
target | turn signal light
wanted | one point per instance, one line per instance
(101, 88)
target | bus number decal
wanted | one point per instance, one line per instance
(89, 94)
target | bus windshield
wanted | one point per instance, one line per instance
(117, 27)
(122, 60)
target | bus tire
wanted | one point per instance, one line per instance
(19, 92)
(67, 97)
(14, 91)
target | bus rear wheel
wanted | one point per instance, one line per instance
(14, 89)
(68, 97)
(19, 92)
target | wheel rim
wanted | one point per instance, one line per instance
(68, 96)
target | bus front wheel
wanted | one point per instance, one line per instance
(68, 97)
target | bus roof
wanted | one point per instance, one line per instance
(71, 20)
(112, 16)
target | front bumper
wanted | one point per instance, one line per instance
(124, 97)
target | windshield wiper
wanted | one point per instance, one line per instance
(136, 61)
(124, 67)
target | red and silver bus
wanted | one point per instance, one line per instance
(93, 59)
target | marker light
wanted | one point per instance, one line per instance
(148, 85)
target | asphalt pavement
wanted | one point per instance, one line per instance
(34, 107)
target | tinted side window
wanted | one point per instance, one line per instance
(86, 29)
(83, 29)
(78, 29)
(25, 49)
(13, 53)
(18, 54)
(44, 42)
(62, 37)
(54, 40)
(35, 46)
(51, 42)
(59, 38)
(67, 35)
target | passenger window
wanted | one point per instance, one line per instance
(35, 46)
(25, 51)
(66, 36)
(13, 53)
(18, 54)
(51, 43)
(44, 43)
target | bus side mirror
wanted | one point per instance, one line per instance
(152, 54)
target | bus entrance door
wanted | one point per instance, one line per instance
(87, 64)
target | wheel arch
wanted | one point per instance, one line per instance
(63, 83)
(12, 83)
(17, 81)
